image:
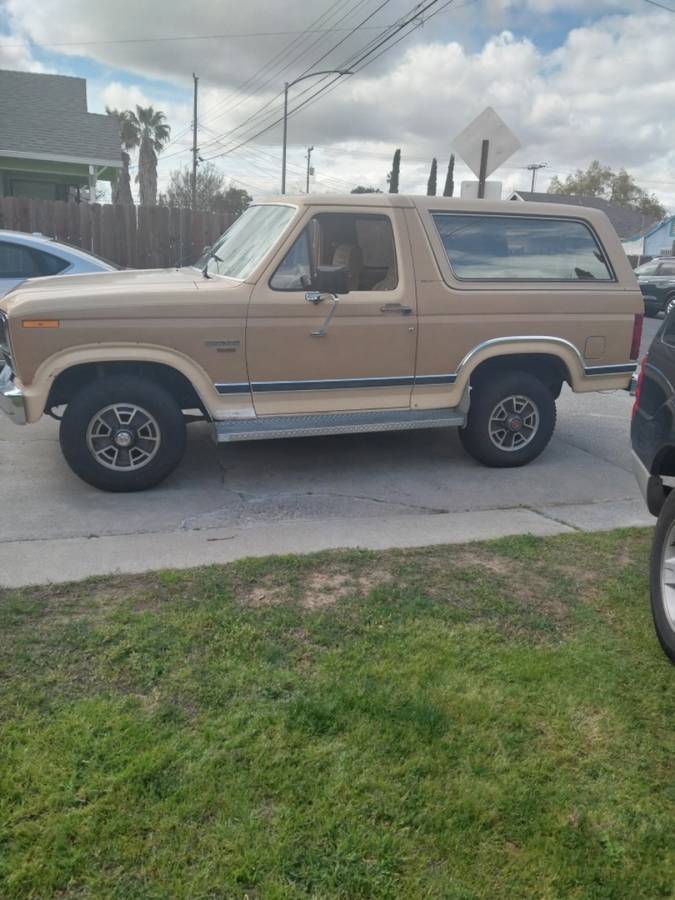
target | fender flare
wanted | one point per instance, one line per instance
(38, 391)
(541, 345)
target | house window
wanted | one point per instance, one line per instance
(520, 248)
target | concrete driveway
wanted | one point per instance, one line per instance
(406, 489)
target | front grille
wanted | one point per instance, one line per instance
(5, 350)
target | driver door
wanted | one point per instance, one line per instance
(364, 357)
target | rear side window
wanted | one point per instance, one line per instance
(520, 248)
(19, 261)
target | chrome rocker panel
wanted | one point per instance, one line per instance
(266, 427)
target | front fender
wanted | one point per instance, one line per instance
(37, 392)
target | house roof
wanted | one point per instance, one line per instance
(627, 222)
(45, 117)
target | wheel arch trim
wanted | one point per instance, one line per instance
(37, 392)
(546, 345)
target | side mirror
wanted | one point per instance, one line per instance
(332, 280)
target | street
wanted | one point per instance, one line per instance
(378, 490)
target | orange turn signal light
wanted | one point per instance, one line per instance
(40, 323)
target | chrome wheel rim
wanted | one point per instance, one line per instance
(668, 577)
(670, 307)
(123, 437)
(513, 423)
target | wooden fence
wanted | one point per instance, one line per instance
(143, 237)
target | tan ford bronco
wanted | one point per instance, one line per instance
(321, 315)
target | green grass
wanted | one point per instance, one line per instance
(487, 721)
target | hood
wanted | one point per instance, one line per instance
(98, 294)
(115, 280)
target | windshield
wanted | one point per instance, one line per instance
(246, 242)
(650, 268)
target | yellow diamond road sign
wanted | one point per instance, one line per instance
(488, 126)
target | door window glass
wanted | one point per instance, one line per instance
(18, 261)
(294, 273)
(361, 241)
(50, 264)
(520, 248)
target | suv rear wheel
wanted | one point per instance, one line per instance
(122, 433)
(510, 421)
(662, 577)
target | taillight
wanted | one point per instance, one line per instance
(638, 386)
(637, 335)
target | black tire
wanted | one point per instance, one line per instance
(665, 628)
(157, 430)
(651, 310)
(486, 397)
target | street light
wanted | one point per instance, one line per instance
(289, 84)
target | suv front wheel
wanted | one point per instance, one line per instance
(122, 433)
(510, 421)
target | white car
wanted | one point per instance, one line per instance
(34, 255)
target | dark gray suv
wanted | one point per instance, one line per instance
(657, 283)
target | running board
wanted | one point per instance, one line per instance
(264, 427)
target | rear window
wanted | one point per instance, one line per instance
(20, 261)
(520, 248)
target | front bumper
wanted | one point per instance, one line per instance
(12, 401)
(652, 487)
(641, 473)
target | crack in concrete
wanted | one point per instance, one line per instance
(595, 456)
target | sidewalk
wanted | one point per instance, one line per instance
(59, 560)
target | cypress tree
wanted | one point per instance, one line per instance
(393, 176)
(449, 188)
(431, 183)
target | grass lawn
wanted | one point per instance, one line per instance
(485, 721)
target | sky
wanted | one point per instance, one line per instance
(575, 81)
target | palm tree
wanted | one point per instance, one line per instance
(129, 139)
(154, 133)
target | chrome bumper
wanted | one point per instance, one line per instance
(11, 398)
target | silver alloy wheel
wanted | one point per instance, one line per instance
(513, 423)
(668, 576)
(671, 306)
(123, 437)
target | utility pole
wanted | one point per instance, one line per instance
(310, 171)
(533, 167)
(289, 84)
(195, 150)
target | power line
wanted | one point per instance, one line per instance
(661, 5)
(231, 35)
(278, 58)
(359, 59)
(259, 112)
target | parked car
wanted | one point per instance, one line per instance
(35, 256)
(328, 315)
(657, 283)
(653, 444)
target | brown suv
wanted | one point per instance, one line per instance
(328, 315)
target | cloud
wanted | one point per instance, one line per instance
(604, 89)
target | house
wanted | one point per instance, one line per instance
(659, 240)
(627, 222)
(50, 146)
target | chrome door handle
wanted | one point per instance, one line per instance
(396, 308)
